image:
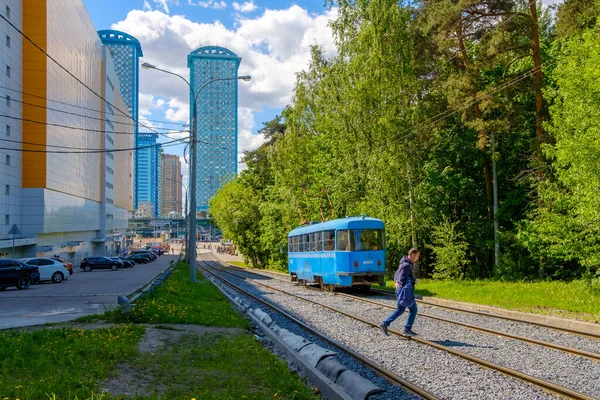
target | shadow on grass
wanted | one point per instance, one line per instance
(424, 292)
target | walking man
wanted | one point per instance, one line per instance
(404, 282)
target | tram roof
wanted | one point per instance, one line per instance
(342, 223)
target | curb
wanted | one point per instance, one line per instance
(562, 323)
(155, 282)
(319, 365)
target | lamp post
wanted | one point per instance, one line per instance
(193, 139)
(185, 208)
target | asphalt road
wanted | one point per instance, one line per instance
(84, 293)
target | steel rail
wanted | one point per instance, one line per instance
(485, 314)
(379, 370)
(562, 391)
(458, 309)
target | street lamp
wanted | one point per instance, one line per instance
(185, 208)
(193, 136)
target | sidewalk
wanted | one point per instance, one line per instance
(221, 256)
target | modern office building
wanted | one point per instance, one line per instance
(171, 185)
(126, 52)
(148, 173)
(216, 106)
(73, 197)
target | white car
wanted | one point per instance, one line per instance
(50, 269)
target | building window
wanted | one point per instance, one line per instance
(7, 190)
(8, 41)
(7, 130)
(7, 160)
(7, 100)
(7, 12)
(8, 71)
(6, 220)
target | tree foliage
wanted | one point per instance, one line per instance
(398, 125)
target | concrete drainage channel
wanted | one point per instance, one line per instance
(320, 365)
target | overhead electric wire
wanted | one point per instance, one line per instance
(443, 115)
(82, 107)
(71, 74)
(82, 151)
(77, 127)
(94, 118)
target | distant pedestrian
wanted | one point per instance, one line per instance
(404, 282)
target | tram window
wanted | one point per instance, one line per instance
(295, 244)
(329, 240)
(319, 241)
(313, 241)
(368, 239)
(305, 243)
(344, 241)
(290, 244)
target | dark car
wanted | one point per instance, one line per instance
(119, 262)
(147, 253)
(16, 273)
(126, 263)
(99, 262)
(139, 258)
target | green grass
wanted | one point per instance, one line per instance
(575, 299)
(179, 301)
(66, 362)
(222, 367)
(239, 263)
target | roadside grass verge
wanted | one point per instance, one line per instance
(68, 363)
(577, 299)
(179, 301)
(212, 366)
(238, 263)
(65, 362)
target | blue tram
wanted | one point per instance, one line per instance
(339, 253)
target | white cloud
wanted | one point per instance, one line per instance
(215, 4)
(274, 46)
(146, 6)
(178, 111)
(248, 6)
(163, 3)
(246, 139)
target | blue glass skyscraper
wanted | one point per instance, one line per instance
(148, 173)
(217, 104)
(126, 51)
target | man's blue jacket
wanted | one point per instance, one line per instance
(404, 271)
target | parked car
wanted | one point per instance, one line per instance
(128, 263)
(50, 269)
(123, 263)
(139, 258)
(99, 262)
(17, 273)
(67, 264)
(145, 252)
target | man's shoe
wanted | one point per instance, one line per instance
(384, 330)
(408, 332)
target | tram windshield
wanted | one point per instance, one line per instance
(360, 240)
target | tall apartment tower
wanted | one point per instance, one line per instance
(217, 104)
(148, 168)
(171, 185)
(126, 52)
(63, 190)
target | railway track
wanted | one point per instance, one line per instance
(379, 370)
(557, 389)
(282, 278)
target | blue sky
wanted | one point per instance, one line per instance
(272, 37)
